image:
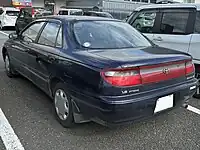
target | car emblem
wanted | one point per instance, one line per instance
(166, 71)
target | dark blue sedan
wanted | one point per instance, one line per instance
(99, 69)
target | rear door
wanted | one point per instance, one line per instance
(145, 21)
(175, 29)
(44, 53)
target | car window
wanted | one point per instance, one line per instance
(12, 13)
(33, 31)
(197, 23)
(174, 22)
(108, 35)
(145, 22)
(1, 11)
(49, 34)
(21, 14)
(63, 12)
(59, 39)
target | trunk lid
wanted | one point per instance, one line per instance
(141, 57)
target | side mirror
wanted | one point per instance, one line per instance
(13, 35)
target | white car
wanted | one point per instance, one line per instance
(8, 16)
(175, 26)
(64, 11)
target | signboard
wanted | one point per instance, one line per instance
(22, 2)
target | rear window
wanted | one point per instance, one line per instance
(12, 13)
(104, 15)
(65, 12)
(108, 35)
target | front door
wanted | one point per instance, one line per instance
(145, 21)
(24, 46)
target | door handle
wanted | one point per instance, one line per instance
(158, 39)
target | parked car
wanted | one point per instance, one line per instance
(27, 15)
(8, 16)
(175, 26)
(65, 11)
(97, 13)
(99, 69)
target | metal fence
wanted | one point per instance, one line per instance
(120, 10)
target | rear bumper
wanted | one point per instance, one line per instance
(8, 24)
(116, 110)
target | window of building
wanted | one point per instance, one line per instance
(49, 34)
(174, 22)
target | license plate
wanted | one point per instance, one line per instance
(164, 103)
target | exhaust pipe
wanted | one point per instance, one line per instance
(185, 105)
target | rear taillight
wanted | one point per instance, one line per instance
(121, 77)
(147, 74)
(189, 67)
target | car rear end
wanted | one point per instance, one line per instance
(10, 16)
(141, 80)
(130, 94)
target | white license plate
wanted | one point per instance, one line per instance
(164, 103)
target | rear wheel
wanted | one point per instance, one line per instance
(17, 29)
(197, 94)
(63, 106)
(8, 66)
(1, 26)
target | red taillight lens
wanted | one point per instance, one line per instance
(122, 77)
(189, 67)
(148, 74)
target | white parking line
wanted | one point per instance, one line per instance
(4, 33)
(193, 109)
(8, 135)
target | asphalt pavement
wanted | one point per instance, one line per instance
(29, 112)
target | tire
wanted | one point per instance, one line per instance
(1, 27)
(61, 101)
(197, 95)
(8, 67)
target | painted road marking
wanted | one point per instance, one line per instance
(10, 139)
(4, 33)
(193, 109)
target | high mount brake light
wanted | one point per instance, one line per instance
(147, 74)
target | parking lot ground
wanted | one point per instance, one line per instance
(29, 112)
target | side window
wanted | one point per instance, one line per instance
(1, 11)
(21, 14)
(174, 22)
(32, 31)
(144, 22)
(59, 41)
(197, 23)
(49, 34)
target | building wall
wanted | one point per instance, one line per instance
(38, 3)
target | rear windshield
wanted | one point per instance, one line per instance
(12, 13)
(108, 35)
(65, 12)
(104, 15)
